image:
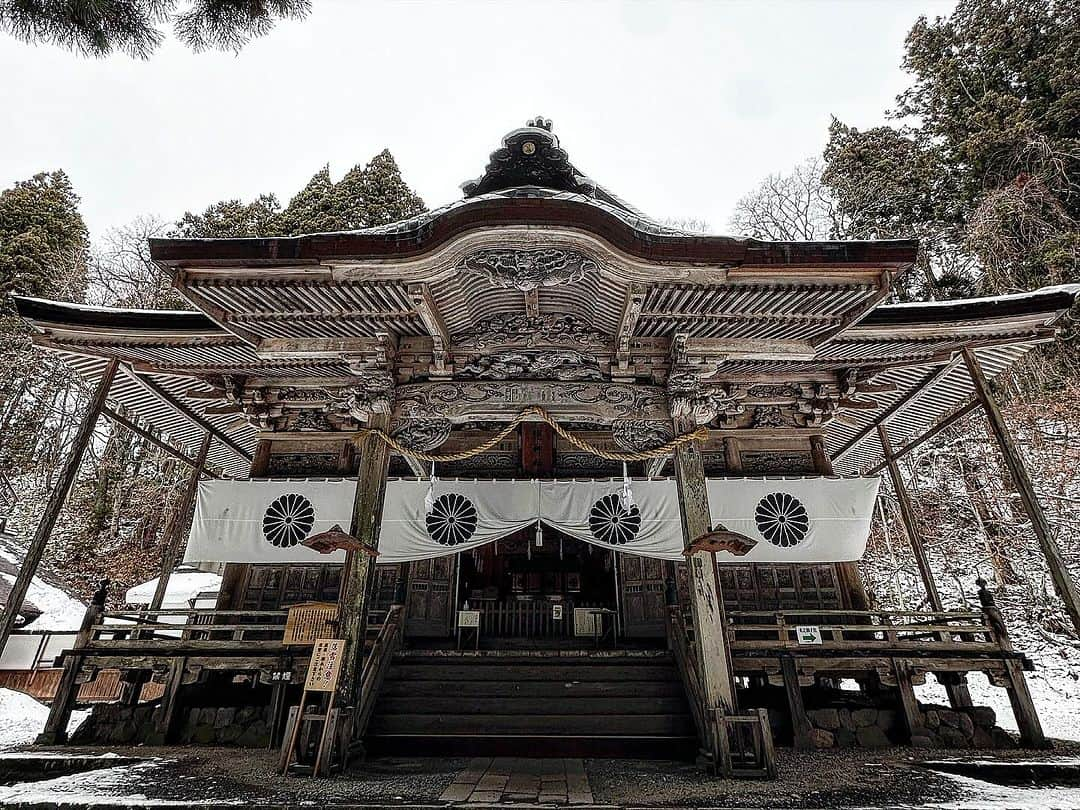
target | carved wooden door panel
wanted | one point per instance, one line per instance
(386, 580)
(764, 586)
(431, 600)
(641, 580)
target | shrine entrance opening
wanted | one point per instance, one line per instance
(531, 587)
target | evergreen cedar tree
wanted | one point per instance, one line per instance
(988, 177)
(366, 196)
(134, 27)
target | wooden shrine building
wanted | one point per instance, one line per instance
(541, 345)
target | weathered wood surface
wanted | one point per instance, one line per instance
(800, 722)
(141, 432)
(376, 665)
(36, 549)
(707, 604)
(358, 576)
(1059, 571)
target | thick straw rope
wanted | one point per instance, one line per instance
(700, 434)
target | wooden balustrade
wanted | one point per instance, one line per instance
(524, 619)
(863, 630)
(190, 628)
(376, 665)
(686, 663)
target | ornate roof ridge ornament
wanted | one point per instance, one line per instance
(530, 156)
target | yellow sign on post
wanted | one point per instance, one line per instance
(325, 666)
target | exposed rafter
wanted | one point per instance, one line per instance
(425, 306)
(631, 313)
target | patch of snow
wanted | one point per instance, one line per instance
(106, 786)
(988, 796)
(183, 587)
(1056, 698)
(22, 718)
(58, 610)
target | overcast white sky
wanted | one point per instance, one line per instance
(680, 108)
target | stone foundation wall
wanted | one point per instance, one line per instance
(869, 727)
(242, 726)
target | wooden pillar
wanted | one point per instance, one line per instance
(1059, 572)
(851, 580)
(55, 731)
(800, 722)
(706, 601)
(909, 705)
(165, 712)
(911, 526)
(36, 549)
(360, 568)
(1027, 719)
(171, 550)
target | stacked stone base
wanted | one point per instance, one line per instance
(943, 727)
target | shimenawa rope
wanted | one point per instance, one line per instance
(665, 449)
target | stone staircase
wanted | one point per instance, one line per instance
(554, 704)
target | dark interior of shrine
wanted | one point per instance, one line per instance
(531, 566)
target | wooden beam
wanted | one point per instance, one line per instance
(424, 303)
(628, 321)
(911, 525)
(124, 422)
(706, 600)
(1059, 572)
(34, 552)
(360, 568)
(800, 721)
(171, 547)
(927, 380)
(955, 416)
(532, 303)
(154, 388)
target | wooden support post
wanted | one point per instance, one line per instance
(55, 731)
(360, 568)
(171, 547)
(1059, 572)
(800, 722)
(911, 526)
(36, 549)
(851, 581)
(1027, 719)
(913, 717)
(710, 623)
(166, 710)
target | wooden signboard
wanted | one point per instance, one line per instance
(325, 666)
(309, 621)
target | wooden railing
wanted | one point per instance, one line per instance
(862, 630)
(524, 619)
(189, 628)
(687, 664)
(376, 664)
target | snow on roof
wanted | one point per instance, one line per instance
(183, 587)
(1071, 289)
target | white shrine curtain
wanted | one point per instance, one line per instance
(792, 519)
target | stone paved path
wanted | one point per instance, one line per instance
(520, 780)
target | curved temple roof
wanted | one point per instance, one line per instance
(539, 258)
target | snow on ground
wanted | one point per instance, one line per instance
(108, 786)
(22, 718)
(981, 795)
(1057, 700)
(58, 610)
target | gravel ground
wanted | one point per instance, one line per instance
(818, 779)
(825, 779)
